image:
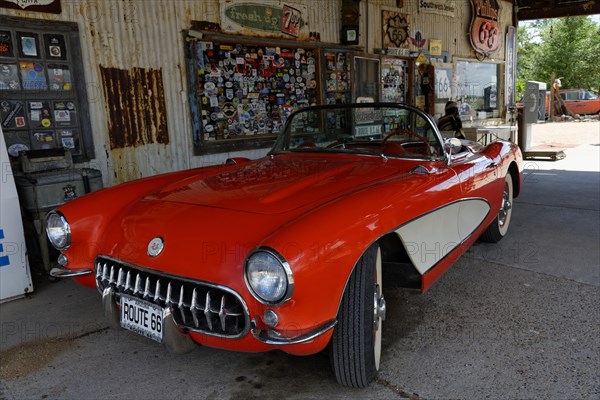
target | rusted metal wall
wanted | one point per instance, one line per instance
(129, 38)
(136, 107)
(135, 35)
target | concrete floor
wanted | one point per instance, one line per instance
(519, 319)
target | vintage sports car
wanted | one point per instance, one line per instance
(288, 251)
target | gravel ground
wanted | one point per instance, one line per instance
(566, 134)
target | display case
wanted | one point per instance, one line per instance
(42, 90)
(244, 91)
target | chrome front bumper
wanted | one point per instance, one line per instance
(272, 337)
(62, 272)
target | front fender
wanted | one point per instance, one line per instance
(323, 246)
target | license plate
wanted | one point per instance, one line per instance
(142, 317)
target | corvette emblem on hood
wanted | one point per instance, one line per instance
(156, 246)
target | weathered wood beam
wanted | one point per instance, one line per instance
(540, 10)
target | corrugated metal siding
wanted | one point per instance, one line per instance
(128, 34)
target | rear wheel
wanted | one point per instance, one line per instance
(356, 342)
(499, 227)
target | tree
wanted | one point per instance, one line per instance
(568, 47)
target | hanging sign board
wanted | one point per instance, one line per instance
(439, 7)
(46, 6)
(484, 30)
(265, 18)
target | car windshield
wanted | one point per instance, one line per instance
(367, 128)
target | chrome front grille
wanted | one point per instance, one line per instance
(197, 306)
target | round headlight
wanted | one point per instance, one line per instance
(269, 276)
(58, 231)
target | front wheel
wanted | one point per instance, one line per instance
(499, 226)
(356, 342)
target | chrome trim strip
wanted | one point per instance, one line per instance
(274, 338)
(61, 272)
(286, 268)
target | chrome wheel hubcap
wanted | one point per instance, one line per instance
(379, 308)
(506, 206)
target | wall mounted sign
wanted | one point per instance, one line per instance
(267, 18)
(394, 51)
(435, 47)
(290, 20)
(440, 7)
(46, 6)
(422, 59)
(395, 29)
(418, 40)
(484, 31)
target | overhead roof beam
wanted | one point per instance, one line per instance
(555, 9)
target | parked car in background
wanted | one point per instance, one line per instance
(577, 101)
(581, 101)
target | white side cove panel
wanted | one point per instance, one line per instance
(431, 237)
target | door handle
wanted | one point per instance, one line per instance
(491, 165)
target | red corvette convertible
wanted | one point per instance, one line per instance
(287, 252)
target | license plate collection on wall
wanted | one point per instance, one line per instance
(38, 103)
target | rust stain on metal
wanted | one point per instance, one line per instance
(136, 106)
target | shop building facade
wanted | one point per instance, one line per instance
(136, 88)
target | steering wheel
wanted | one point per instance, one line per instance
(410, 133)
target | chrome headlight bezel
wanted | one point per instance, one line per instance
(58, 230)
(286, 272)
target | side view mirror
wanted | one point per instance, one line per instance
(452, 146)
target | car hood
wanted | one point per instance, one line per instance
(277, 184)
